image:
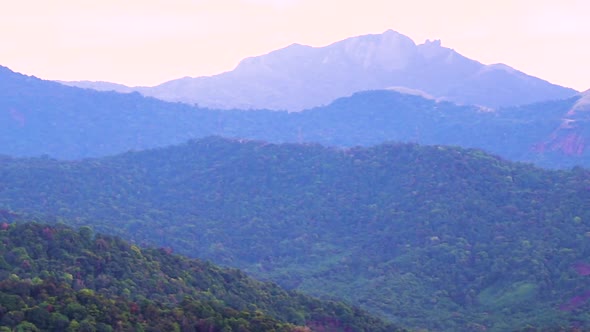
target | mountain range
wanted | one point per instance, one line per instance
(429, 237)
(46, 118)
(300, 77)
(357, 172)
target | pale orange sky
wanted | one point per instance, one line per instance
(147, 42)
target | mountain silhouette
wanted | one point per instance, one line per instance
(299, 77)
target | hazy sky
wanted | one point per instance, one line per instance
(147, 42)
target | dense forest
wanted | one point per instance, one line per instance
(54, 278)
(431, 237)
(46, 118)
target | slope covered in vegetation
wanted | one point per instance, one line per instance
(56, 279)
(46, 118)
(435, 237)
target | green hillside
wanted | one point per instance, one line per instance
(46, 118)
(429, 236)
(54, 278)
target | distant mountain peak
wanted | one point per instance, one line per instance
(385, 37)
(299, 77)
(388, 51)
(432, 48)
(434, 43)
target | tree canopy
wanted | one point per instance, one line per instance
(55, 278)
(427, 236)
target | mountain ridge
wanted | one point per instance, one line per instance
(300, 77)
(432, 237)
(46, 118)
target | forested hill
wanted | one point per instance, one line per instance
(55, 278)
(45, 118)
(431, 236)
